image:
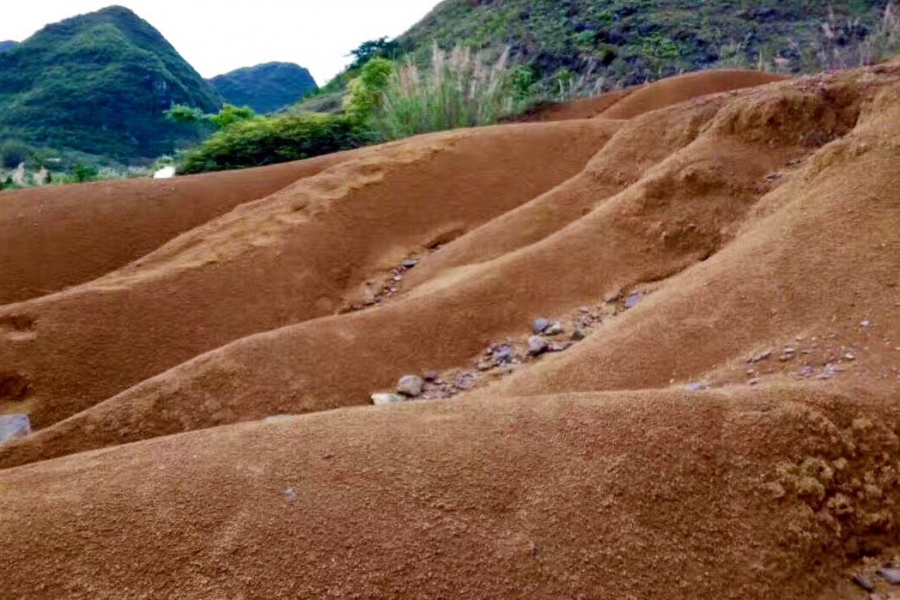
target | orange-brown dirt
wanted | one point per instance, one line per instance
(732, 435)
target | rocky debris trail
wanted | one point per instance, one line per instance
(817, 357)
(505, 358)
(376, 293)
(873, 578)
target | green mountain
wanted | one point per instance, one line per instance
(630, 41)
(8, 45)
(98, 84)
(265, 88)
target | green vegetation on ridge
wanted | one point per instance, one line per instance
(631, 41)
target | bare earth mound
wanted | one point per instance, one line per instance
(722, 424)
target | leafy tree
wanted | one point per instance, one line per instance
(380, 48)
(228, 116)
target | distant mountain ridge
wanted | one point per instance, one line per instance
(265, 88)
(99, 83)
(8, 45)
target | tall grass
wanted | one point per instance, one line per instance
(884, 42)
(840, 49)
(460, 88)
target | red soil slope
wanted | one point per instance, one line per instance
(584, 108)
(61, 236)
(733, 435)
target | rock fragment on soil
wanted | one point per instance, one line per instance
(411, 386)
(889, 574)
(758, 358)
(864, 582)
(633, 300)
(537, 345)
(14, 426)
(555, 329)
(559, 346)
(466, 381)
(504, 354)
(697, 386)
(540, 326)
(384, 399)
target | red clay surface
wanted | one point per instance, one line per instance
(652, 459)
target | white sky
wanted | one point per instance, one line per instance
(215, 38)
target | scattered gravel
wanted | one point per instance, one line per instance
(502, 359)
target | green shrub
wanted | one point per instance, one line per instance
(229, 115)
(83, 173)
(367, 90)
(380, 48)
(265, 141)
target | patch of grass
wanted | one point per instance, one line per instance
(458, 88)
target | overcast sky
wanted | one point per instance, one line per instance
(216, 38)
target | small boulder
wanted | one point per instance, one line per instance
(579, 335)
(555, 329)
(863, 582)
(410, 263)
(384, 399)
(540, 326)
(411, 385)
(889, 574)
(633, 300)
(537, 345)
(14, 426)
(559, 346)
